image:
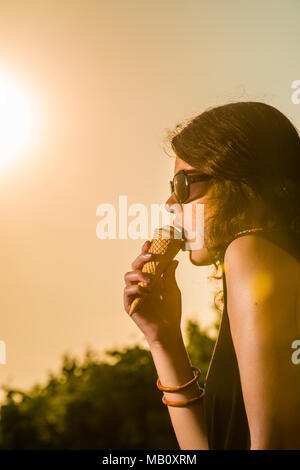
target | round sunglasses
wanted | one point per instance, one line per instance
(180, 185)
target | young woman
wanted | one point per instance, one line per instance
(249, 153)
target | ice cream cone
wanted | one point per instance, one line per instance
(166, 243)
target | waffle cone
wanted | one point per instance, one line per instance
(164, 249)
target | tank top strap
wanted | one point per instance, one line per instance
(238, 235)
(259, 230)
(282, 236)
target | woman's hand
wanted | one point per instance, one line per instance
(160, 312)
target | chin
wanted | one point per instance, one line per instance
(200, 257)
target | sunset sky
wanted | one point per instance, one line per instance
(104, 81)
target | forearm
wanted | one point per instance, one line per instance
(174, 368)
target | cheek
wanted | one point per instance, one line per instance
(193, 218)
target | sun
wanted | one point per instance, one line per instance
(17, 121)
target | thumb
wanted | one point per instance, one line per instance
(169, 274)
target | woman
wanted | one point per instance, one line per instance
(251, 154)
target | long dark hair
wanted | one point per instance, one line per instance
(252, 151)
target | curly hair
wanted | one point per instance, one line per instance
(252, 151)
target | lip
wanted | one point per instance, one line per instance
(180, 228)
(183, 231)
(182, 234)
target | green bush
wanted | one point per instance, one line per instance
(107, 404)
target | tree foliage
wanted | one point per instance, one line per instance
(98, 404)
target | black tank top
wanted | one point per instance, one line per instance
(225, 414)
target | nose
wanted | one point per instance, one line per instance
(170, 204)
(173, 206)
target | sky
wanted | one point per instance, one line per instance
(106, 80)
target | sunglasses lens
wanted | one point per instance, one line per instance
(181, 188)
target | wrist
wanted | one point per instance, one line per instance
(174, 368)
(169, 339)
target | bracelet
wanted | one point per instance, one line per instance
(184, 402)
(179, 387)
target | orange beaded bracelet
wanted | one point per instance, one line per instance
(184, 402)
(179, 387)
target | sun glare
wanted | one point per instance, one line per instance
(17, 121)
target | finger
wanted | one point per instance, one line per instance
(130, 292)
(140, 260)
(144, 250)
(158, 290)
(133, 277)
(135, 289)
(169, 273)
(146, 246)
(158, 295)
(160, 285)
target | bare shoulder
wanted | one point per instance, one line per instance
(263, 310)
(262, 279)
(252, 252)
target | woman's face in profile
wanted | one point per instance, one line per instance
(187, 217)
